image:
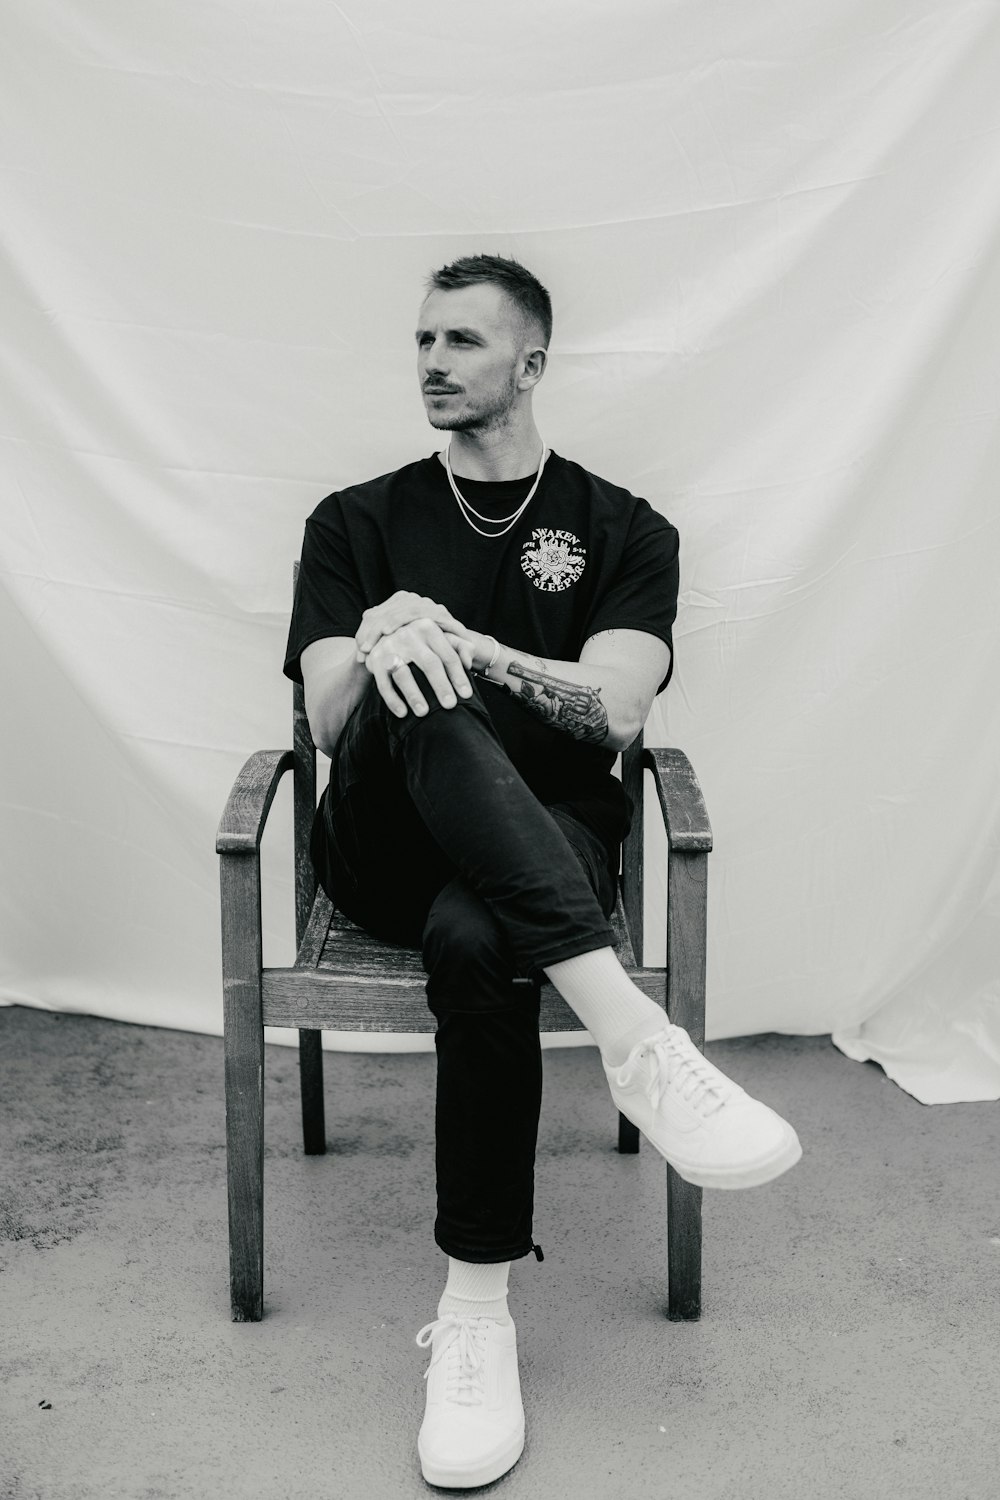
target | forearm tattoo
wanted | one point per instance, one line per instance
(573, 707)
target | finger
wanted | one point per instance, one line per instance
(368, 636)
(465, 649)
(425, 645)
(405, 683)
(378, 663)
(387, 690)
(375, 625)
(452, 662)
(459, 669)
(464, 645)
(445, 679)
(430, 663)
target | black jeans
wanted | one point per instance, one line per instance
(427, 835)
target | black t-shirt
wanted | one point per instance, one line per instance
(585, 556)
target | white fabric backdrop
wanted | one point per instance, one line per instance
(770, 235)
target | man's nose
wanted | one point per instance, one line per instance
(436, 357)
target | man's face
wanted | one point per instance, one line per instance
(468, 358)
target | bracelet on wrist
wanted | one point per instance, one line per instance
(485, 671)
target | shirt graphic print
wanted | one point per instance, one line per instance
(553, 560)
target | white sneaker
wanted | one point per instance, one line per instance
(710, 1130)
(473, 1427)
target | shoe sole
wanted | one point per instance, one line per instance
(754, 1174)
(450, 1476)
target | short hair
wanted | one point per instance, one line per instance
(523, 289)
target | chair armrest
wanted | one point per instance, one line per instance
(681, 801)
(250, 801)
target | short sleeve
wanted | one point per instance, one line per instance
(328, 594)
(643, 592)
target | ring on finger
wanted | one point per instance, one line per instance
(395, 664)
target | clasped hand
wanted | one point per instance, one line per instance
(411, 630)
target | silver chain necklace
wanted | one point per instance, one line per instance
(464, 505)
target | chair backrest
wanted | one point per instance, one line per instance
(632, 849)
(304, 811)
(303, 801)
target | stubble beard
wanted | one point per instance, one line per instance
(494, 417)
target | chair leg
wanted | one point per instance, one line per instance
(311, 1082)
(245, 1171)
(628, 1136)
(683, 1249)
(687, 907)
(244, 1072)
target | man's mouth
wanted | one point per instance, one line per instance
(439, 390)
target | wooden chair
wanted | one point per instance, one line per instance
(345, 980)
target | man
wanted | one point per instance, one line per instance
(479, 634)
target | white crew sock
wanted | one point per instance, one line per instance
(614, 1010)
(476, 1290)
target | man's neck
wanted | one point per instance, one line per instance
(495, 455)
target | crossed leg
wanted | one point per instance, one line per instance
(444, 784)
(427, 834)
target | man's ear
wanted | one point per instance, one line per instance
(533, 362)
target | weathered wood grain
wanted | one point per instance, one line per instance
(687, 902)
(250, 801)
(314, 938)
(681, 801)
(627, 955)
(244, 1075)
(687, 896)
(349, 950)
(303, 815)
(303, 812)
(631, 899)
(632, 849)
(356, 999)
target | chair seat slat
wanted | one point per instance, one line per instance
(333, 942)
(348, 980)
(345, 979)
(331, 1000)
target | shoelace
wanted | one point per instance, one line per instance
(464, 1344)
(680, 1066)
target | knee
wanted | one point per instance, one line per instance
(437, 715)
(463, 938)
(466, 955)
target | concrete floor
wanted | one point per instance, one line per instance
(848, 1347)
